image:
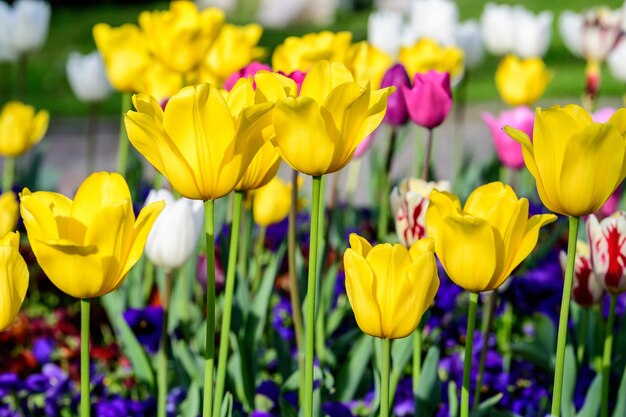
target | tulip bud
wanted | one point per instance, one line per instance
(430, 99)
(13, 279)
(409, 202)
(9, 211)
(87, 77)
(20, 128)
(607, 242)
(272, 202)
(587, 288)
(175, 233)
(508, 150)
(397, 113)
(521, 81)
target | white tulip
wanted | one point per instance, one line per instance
(497, 29)
(31, 20)
(602, 28)
(434, 19)
(384, 31)
(174, 235)
(87, 77)
(617, 62)
(532, 32)
(7, 54)
(468, 38)
(227, 5)
(571, 30)
(279, 13)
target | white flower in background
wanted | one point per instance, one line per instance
(31, 19)
(570, 28)
(434, 19)
(6, 33)
(532, 32)
(227, 5)
(468, 38)
(617, 62)
(384, 31)
(87, 77)
(279, 13)
(174, 235)
(513, 29)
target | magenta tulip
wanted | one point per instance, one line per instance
(603, 115)
(248, 71)
(397, 113)
(509, 151)
(430, 99)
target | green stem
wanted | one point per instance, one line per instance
(209, 354)
(383, 214)
(228, 303)
(242, 260)
(85, 390)
(486, 326)
(384, 379)
(429, 145)
(557, 390)
(162, 354)
(418, 163)
(122, 150)
(606, 359)
(417, 362)
(259, 247)
(294, 286)
(8, 174)
(582, 337)
(310, 299)
(467, 360)
(92, 137)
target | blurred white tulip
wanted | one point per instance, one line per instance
(226, 5)
(279, 13)
(384, 31)
(434, 19)
(617, 62)
(31, 21)
(497, 29)
(7, 54)
(87, 77)
(592, 34)
(174, 235)
(532, 32)
(571, 30)
(468, 38)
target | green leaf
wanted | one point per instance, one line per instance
(227, 405)
(401, 352)
(429, 386)
(569, 383)
(191, 363)
(593, 399)
(356, 364)
(191, 406)
(484, 408)
(453, 399)
(620, 406)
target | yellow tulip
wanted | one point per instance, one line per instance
(234, 48)
(317, 132)
(262, 169)
(158, 81)
(181, 36)
(203, 142)
(21, 128)
(521, 81)
(368, 63)
(87, 246)
(13, 279)
(426, 55)
(480, 245)
(272, 202)
(577, 164)
(300, 54)
(9, 209)
(388, 286)
(124, 52)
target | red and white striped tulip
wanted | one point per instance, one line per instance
(607, 241)
(588, 289)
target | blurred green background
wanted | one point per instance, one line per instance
(70, 30)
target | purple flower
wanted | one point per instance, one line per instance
(43, 348)
(397, 113)
(146, 324)
(282, 314)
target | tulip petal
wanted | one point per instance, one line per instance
(13, 284)
(441, 205)
(272, 87)
(360, 290)
(464, 239)
(359, 245)
(45, 214)
(324, 77)
(618, 119)
(426, 244)
(419, 276)
(529, 241)
(594, 170)
(301, 137)
(495, 202)
(376, 112)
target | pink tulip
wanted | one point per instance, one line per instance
(430, 99)
(603, 115)
(612, 203)
(364, 145)
(509, 151)
(248, 71)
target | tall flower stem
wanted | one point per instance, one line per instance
(467, 360)
(557, 390)
(162, 355)
(383, 214)
(487, 325)
(606, 359)
(92, 136)
(427, 152)
(417, 362)
(8, 174)
(294, 286)
(242, 260)
(310, 299)
(259, 247)
(580, 351)
(122, 150)
(209, 353)
(85, 390)
(228, 303)
(384, 378)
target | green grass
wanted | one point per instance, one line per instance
(70, 30)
